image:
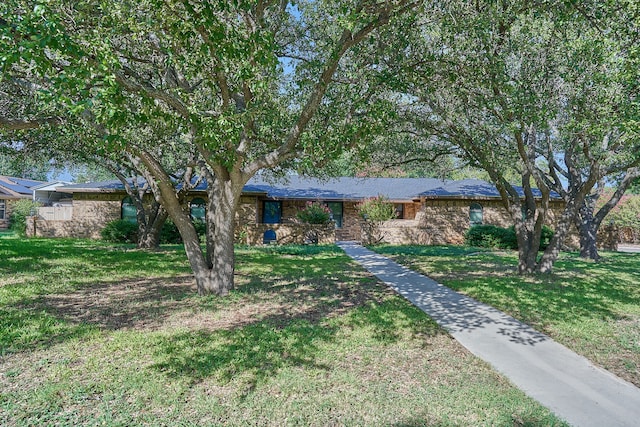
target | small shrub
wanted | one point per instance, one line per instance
(314, 213)
(169, 235)
(490, 236)
(545, 239)
(120, 231)
(20, 210)
(494, 237)
(377, 209)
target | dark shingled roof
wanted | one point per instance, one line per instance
(345, 188)
(473, 188)
(296, 187)
(19, 185)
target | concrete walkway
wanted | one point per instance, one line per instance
(566, 383)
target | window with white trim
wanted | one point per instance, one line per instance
(475, 214)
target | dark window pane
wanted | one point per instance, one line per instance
(399, 208)
(129, 210)
(336, 212)
(272, 213)
(198, 208)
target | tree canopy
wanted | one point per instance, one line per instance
(235, 87)
(535, 88)
(543, 91)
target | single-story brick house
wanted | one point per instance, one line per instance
(429, 210)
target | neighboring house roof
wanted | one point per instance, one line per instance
(11, 187)
(344, 188)
(112, 186)
(49, 186)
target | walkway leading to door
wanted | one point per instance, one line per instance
(563, 381)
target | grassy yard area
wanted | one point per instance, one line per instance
(592, 308)
(92, 334)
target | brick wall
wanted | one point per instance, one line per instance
(289, 233)
(5, 223)
(608, 237)
(91, 213)
(250, 230)
(442, 222)
(432, 222)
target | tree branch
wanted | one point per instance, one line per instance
(26, 124)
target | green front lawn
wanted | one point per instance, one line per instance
(592, 308)
(96, 334)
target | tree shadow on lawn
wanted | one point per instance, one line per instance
(251, 353)
(256, 351)
(263, 326)
(575, 289)
(301, 310)
(125, 304)
(55, 318)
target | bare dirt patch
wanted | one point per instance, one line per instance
(172, 303)
(128, 304)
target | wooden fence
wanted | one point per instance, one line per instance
(56, 213)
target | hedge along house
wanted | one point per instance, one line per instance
(429, 211)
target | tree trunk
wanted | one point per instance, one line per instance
(588, 222)
(224, 198)
(223, 257)
(191, 241)
(149, 233)
(588, 232)
(528, 246)
(528, 229)
(208, 279)
(560, 233)
(550, 255)
(214, 269)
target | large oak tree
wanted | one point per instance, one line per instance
(532, 88)
(248, 85)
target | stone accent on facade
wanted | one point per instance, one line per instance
(351, 229)
(250, 231)
(445, 222)
(290, 233)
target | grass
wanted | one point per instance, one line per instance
(96, 334)
(592, 308)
